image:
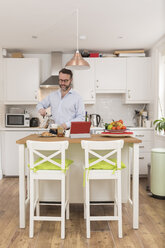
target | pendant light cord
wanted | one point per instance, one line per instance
(77, 29)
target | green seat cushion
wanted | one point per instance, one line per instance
(103, 165)
(49, 166)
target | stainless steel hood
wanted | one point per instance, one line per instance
(56, 66)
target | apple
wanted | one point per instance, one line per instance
(109, 127)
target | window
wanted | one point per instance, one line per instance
(161, 88)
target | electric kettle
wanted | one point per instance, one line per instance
(95, 120)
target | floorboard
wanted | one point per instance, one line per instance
(151, 233)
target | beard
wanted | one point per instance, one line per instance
(65, 87)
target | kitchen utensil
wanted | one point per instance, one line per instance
(34, 122)
(95, 120)
(47, 120)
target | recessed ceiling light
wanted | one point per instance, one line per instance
(120, 37)
(34, 36)
(82, 37)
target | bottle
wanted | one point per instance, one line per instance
(86, 116)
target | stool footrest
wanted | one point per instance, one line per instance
(104, 218)
(47, 218)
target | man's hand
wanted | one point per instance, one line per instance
(64, 126)
(42, 112)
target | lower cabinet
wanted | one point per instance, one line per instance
(10, 166)
(146, 135)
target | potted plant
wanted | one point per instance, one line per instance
(160, 125)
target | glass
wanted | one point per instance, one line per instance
(63, 80)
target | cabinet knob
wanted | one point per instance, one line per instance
(97, 83)
(141, 157)
(92, 94)
(129, 94)
(36, 95)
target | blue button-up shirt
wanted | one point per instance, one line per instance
(64, 110)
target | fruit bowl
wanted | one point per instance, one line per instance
(115, 127)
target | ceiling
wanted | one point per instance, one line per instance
(107, 24)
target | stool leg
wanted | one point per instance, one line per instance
(115, 202)
(120, 234)
(87, 207)
(31, 225)
(67, 193)
(84, 204)
(63, 207)
(37, 197)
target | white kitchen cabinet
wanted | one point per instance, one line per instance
(9, 149)
(110, 75)
(138, 80)
(21, 80)
(84, 83)
(147, 137)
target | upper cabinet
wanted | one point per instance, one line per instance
(110, 75)
(84, 83)
(138, 80)
(21, 80)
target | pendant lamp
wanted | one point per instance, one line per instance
(77, 62)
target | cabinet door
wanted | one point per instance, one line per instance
(110, 75)
(10, 165)
(84, 83)
(146, 136)
(138, 80)
(21, 80)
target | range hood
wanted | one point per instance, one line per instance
(56, 66)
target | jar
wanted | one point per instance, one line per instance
(60, 131)
(53, 128)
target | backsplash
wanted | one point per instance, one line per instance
(2, 115)
(110, 106)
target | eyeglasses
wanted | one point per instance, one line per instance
(63, 80)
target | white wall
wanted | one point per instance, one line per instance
(159, 47)
(2, 108)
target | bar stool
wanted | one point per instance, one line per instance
(101, 167)
(47, 162)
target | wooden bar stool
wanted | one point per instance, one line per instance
(48, 162)
(101, 167)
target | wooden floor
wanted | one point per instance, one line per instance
(151, 233)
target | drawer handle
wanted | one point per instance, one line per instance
(141, 146)
(139, 135)
(141, 157)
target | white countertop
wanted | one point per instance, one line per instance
(22, 129)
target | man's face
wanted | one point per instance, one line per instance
(64, 81)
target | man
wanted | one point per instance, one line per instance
(66, 104)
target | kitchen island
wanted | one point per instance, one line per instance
(76, 172)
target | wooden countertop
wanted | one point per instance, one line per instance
(94, 137)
